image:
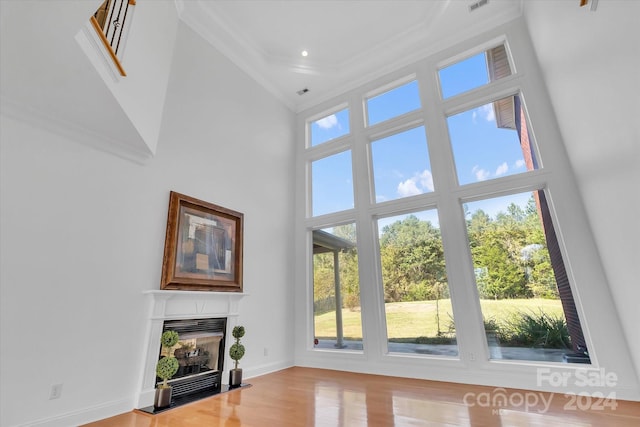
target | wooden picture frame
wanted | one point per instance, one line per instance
(203, 246)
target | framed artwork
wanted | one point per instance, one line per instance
(203, 246)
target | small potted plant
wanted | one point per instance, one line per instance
(236, 352)
(166, 368)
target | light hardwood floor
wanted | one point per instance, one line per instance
(317, 397)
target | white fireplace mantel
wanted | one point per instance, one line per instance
(169, 305)
(193, 304)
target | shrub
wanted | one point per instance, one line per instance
(168, 365)
(441, 339)
(535, 329)
(236, 352)
(491, 325)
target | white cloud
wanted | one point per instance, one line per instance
(502, 169)
(418, 184)
(426, 180)
(519, 164)
(486, 112)
(328, 122)
(408, 188)
(481, 174)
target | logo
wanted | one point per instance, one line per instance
(499, 398)
(577, 378)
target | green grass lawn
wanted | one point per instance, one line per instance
(418, 318)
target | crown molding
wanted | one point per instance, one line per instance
(73, 131)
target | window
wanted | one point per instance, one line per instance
(486, 142)
(474, 72)
(417, 305)
(523, 313)
(332, 183)
(401, 166)
(393, 103)
(336, 293)
(330, 127)
(448, 195)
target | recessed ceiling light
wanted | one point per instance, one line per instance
(305, 53)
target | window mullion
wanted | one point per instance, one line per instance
(464, 298)
(372, 303)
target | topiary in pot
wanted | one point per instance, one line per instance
(166, 368)
(236, 352)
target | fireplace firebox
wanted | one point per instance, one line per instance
(200, 354)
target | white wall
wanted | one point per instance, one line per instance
(591, 63)
(226, 140)
(83, 233)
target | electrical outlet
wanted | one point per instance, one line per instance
(266, 351)
(472, 356)
(56, 391)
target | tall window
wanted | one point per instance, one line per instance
(525, 315)
(455, 152)
(418, 311)
(336, 293)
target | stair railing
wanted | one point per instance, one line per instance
(109, 22)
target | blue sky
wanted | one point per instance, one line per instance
(482, 150)
(330, 127)
(400, 163)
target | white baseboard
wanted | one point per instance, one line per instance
(265, 369)
(109, 409)
(83, 416)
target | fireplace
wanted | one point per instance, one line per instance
(202, 320)
(200, 354)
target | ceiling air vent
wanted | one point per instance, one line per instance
(477, 5)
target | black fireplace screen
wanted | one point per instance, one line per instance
(200, 353)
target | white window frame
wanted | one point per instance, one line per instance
(554, 176)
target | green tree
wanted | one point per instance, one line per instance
(412, 260)
(323, 287)
(496, 249)
(540, 272)
(504, 276)
(348, 259)
(324, 276)
(510, 255)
